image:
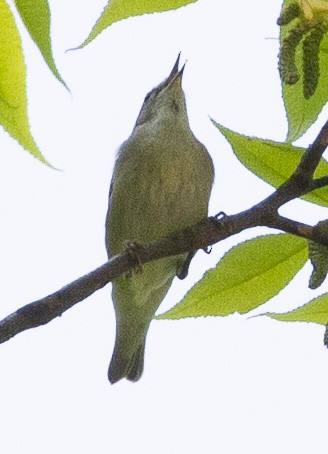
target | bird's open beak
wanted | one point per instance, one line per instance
(175, 73)
(175, 69)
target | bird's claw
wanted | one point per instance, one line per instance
(133, 249)
(207, 249)
(218, 218)
(220, 215)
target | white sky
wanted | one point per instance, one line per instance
(210, 384)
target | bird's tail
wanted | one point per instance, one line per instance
(126, 366)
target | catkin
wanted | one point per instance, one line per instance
(318, 255)
(288, 14)
(325, 339)
(311, 68)
(287, 67)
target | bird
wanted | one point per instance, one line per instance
(161, 183)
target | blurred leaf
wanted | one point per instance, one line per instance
(117, 10)
(36, 17)
(13, 101)
(301, 113)
(247, 276)
(316, 311)
(273, 162)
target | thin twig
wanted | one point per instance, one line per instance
(318, 183)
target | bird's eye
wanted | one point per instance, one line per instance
(147, 96)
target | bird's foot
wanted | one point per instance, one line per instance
(133, 249)
(219, 216)
(217, 220)
(183, 266)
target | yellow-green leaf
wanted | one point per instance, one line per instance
(36, 17)
(273, 162)
(301, 112)
(316, 311)
(13, 101)
(246, 277)
(117, 10)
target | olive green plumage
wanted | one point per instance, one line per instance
(161, 183)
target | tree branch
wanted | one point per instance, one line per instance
(312, 155)
(206, 233)
(318, 183)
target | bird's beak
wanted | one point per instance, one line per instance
(175, 74)
(175, 68)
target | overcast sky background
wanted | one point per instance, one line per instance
(210, 384)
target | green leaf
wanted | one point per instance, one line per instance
(117, 10)
(247, 276)
(36, 17)
(316, 311)
(301, 112)
(13, 101)
(273, 162)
